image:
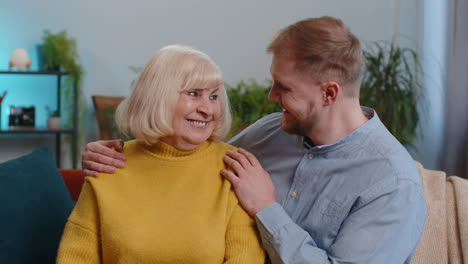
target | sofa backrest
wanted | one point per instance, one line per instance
(445, 238)
(74, 180)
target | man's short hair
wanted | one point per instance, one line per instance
(325, 48)
(147, 113)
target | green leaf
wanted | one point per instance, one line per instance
(392, 86)
(249, 102)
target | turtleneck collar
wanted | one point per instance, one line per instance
(165, 151)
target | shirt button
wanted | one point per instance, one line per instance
(311, 155)
(294, 194)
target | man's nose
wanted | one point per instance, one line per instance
(273, 94)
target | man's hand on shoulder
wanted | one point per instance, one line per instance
(252, 184)
(102, 156)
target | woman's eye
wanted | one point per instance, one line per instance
(192, 93)
(214, 97)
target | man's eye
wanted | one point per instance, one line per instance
(214, 97)
(283, 88)
(192, 93)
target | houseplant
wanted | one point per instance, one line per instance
(54, 121)
(249, 102)
(61, 54)
(391, 85)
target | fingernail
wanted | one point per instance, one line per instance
(122, 157)
(120, 164)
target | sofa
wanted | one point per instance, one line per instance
(46, 202)
(445, 238)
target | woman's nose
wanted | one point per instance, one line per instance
(205, 107)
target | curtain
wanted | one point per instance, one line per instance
(455, 161)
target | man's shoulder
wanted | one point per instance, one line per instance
(382, 162)
(263, 125)
(396, 157)
(263, 130)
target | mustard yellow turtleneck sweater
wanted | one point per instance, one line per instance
(165, 206)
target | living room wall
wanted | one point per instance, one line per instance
(113, 35)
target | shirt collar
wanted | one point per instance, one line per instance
(361, 131)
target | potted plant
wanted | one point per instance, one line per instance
(391, 85)
(54, 122)
(61, 54)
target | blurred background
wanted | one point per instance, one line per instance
(114, 38)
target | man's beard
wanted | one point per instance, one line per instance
(294, 126)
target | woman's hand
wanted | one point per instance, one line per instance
(252, 184)
(102, 156)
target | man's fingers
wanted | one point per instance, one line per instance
(90, 173)
(234, 164)
(104, 147)
(103, 159)
(117, 144)
(250, 157)
(239, 158)
(230, 176)
(94, 166)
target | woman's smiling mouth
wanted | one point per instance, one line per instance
(198, 124)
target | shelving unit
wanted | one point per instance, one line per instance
(41, 131)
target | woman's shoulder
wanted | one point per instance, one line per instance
(131, 147)
(223, 145)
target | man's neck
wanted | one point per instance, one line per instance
(338, 122)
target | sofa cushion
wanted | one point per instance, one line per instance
(74, 180)
(34, 207)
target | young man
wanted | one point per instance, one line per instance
(325, 180)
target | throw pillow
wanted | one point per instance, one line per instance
(34, 207)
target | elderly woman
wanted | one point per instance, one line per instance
(169, 204)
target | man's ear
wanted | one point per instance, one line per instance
(330, 91)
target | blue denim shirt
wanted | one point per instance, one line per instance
(359, 200)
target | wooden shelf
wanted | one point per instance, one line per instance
(35, 130)
(29, 131)
(35, 72)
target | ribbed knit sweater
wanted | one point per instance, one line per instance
(165, 206)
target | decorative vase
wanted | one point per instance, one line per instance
(54, 123)
(41, 61)
(19, 59)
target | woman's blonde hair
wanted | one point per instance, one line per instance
(148, 112)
